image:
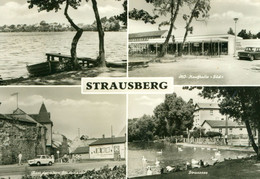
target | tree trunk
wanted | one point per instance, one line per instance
(187, 28)
(173, 18)
(251, 137)
(101, 61)
(74, 43)
(258, 138)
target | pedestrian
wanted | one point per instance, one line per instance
(226, 139)
(20, 158)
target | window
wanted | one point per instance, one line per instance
(241, 129)
(211, 112)
(220, 130)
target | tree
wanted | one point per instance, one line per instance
(240, 103)
(243, 34)
(56, 5)
(174, 115)
(161, 7)
(123, 16)
(230, 31)
(141, 129)
(199, 10)
(101, 61)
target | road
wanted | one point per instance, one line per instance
(16, 171)
(224, 70)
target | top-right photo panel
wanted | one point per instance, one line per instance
(198, 42)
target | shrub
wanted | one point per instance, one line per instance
(213, 134)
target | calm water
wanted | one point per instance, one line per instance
(170, 156)
(19, 49)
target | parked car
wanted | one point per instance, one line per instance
(251, 53)
(41, 160)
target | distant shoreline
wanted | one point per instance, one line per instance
(123, 30)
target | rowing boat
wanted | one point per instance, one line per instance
(44, 68)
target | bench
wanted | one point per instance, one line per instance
(82, 60)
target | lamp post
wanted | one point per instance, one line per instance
(235, 19)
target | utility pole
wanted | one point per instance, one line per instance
(235, 19)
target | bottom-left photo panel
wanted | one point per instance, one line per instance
(57, 132)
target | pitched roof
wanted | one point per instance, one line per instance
(113, 140)
(43, 117)
(81, 150)
(222, 124)
(18, 111)
(157, 34)
(207, 105)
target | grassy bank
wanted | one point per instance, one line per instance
(68, 78)
(237, 168)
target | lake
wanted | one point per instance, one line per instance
(170, 156)
(19, 49)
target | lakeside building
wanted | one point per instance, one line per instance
(207, 116)
(149, 43)
(206, 111)
(220, 126)
(108, 148)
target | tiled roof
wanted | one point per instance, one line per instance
(81, 150)
(104, 141)
(207, 105)
(222, 124)
(147, 34)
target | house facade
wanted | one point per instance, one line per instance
(206, 111)
(108, 148)
(231, 127)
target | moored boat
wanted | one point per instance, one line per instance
(117, 64)
(44, 68)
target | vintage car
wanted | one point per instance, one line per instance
(41, 160)
(251, 53)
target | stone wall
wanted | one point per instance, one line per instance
(15, 137)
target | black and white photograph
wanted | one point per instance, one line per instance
(195, 132)
(58, 42)
(198, 42)
(60, 133)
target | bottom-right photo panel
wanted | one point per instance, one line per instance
(197, 131)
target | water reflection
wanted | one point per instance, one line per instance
(171, 155)
(19, 49)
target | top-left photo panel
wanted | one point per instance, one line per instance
(57, 42)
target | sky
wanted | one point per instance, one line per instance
(141, 104)
(17, 12)
(70, 110)
(222, 13)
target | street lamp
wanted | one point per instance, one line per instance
(235, 19)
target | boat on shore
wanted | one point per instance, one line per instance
(117, 64)
(44, 68)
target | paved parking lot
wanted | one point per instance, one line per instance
(202, 71)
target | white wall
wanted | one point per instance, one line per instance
(106, 151)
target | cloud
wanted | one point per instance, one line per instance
(227, 15)
(147, 101)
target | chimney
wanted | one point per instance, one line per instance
(103, 136)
